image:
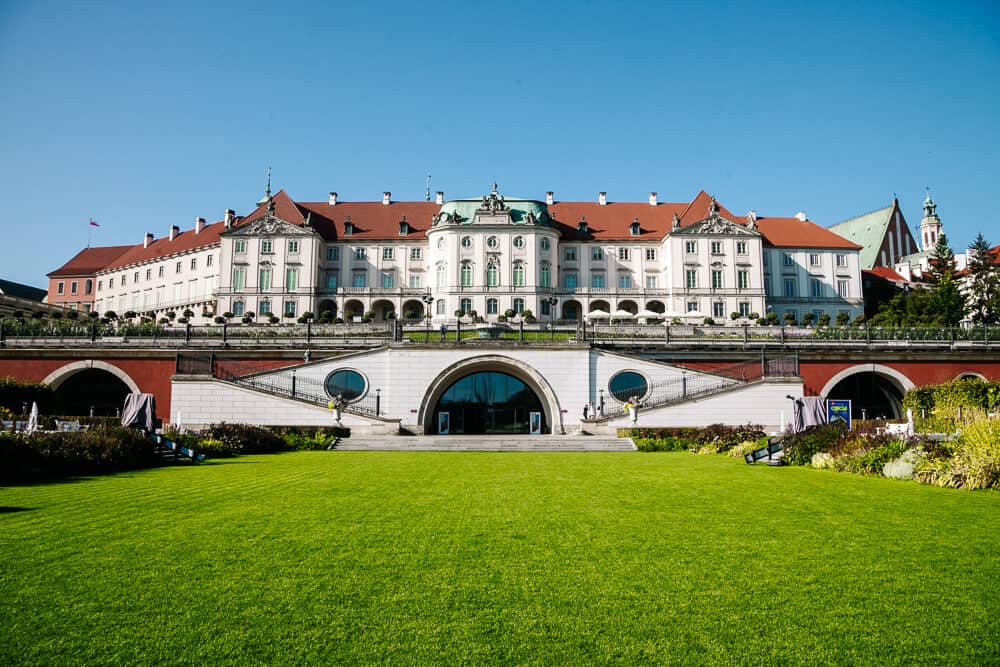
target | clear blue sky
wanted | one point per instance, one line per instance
(143, 118)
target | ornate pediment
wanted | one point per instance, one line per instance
(269, 225)
(715, 225)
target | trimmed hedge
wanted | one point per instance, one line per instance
(93, 452)
(715, 438)
(246, 439)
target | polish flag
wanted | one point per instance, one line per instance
(93, 224)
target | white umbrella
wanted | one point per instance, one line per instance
(649, 314)
(33, 418)
(694, 313)
(622, 315)
(670, 313)
(598, 314)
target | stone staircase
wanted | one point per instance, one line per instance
(487, 443)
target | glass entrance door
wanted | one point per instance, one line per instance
(489, 402)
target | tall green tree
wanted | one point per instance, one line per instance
(942, 260)
(983, 283)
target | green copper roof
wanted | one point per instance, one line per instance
(867, 231)
(519, 210)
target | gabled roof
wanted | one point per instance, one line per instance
(9, 288)
(795, 233)
(867, 230)
(164, 247)
(90, 260)
(885, 273)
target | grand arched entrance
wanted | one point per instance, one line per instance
(489, 402)
(875, 391)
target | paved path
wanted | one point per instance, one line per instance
(488, 443)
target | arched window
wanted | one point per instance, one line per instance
(466, 274)
(492, 274)
(518, 305)
(442, 275)
(519, 275)
(544, 278)
(492, 307)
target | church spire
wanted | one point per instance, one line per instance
(930, 224)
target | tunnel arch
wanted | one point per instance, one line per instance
(875, 390)
(498, 363)
(85, 385)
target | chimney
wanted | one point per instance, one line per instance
(348, 226)
(333, 199)
(174, 231)
(199, 224)
(602, 198)
(439, 198)
(146, 241)
(652, 199)
(548, 198)
(385, 198)
(801, 215)
(582, 225)
(230, 218)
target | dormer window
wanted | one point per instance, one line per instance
(404, 227)
(634, 227)
(582, 225)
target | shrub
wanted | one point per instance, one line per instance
(972, 461)
(871, 460)
(712, 439)
(95, 451)
(213, 448)
(800, 447)
(246, 439)
(15, 394)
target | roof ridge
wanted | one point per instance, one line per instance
(861, 215)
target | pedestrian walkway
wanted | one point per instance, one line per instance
(487, 443)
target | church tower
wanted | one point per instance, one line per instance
(930, 224)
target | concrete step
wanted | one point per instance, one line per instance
(460, 443)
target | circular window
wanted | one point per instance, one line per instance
(492, 242)
(518, 241)
(466, 241)
(545, 244)
(628, 384)
(352, 385)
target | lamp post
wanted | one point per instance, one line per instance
(428, 300)
(600, 402)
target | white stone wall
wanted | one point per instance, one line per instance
(804, 270)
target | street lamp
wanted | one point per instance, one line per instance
(428, 300)
(552, 301)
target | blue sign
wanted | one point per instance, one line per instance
(839, 410)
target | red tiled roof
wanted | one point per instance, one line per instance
(90, 260)
(885, 273)
(793, 233)
(162, 247)
(371, 220)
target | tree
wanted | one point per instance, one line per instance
(942, 260)
(983, 286)
(947, 302)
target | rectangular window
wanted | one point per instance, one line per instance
(465, 305)
(791, 290)
(518, 306)
(716, 247)
(266, 247)
(331, 280)
(624, 281)
(597, 254)
(177, 269)
(290, 308)
(416, 281)
(238, 307)
(692, 278)
(123, 279)
(441, 305)
(844, 288)
(814, 259)
(158, 296)
(194, 263)
(291, 279)
(88, 286)
(545, 307)
(841, 261)
(264, 308)
(650, 282)
(61, 288)
(240, 246)
(692, 306)
(597, 280)
(718, 310)
(161, 271)
(742, 279)
(650, 254)
(239, 279)
(416, 253)
(786, 259)
(815, 288)
(208, 260)
(135, 277)
(741, 247)
(716, 279)
(193, 289)
(388, 253)
(624, 254)
(569, 280)
(178, 287)
(690, 247)
(264, 279)
(543, 277)
(149, 274)
(492, 306)
(359, 253)
(293, 247)
(332, 253)
(100, 286)
(744, 308)
(569, 254)
(387, 280)
(359, 279)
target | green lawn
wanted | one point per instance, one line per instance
(335, 557)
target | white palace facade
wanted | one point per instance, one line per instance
(492, 256)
